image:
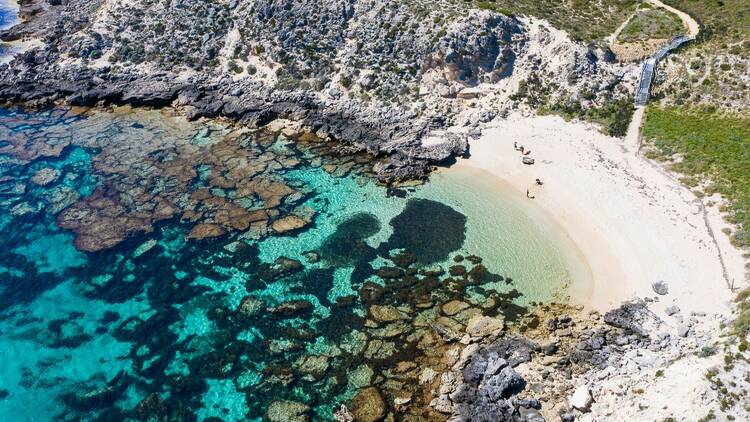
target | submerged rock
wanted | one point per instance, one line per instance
(483, 326)
(251, 306)
(368, 405)
(292, 309)
(204, 231)
(282, 267)
(312, 366)
(385, 313)
(152, 407)
(347, 245)
(287, 411)
(290, 223)
(453, 307)
(45, 176)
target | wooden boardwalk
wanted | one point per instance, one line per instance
(649, 68)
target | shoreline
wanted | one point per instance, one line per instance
(579, 280)
(633, 222)
(9, 49)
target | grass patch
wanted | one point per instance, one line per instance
(712, 147)
(652, 24)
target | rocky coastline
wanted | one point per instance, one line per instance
(389, 112)
(461, 360)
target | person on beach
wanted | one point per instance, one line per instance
(515, 146)
(539, 182)
(528, 195)
(527, 151)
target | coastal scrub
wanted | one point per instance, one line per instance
(707, 147)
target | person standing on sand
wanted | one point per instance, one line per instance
(528, 195)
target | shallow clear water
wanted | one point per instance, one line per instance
(115, 306)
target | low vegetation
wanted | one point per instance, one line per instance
(601, 17)
(713, 151)
(715, 69)
(613, 116)
(651, 24)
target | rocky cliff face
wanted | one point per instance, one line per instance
(376, 74)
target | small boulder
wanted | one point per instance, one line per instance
(660, 287)
(581, 399)
(682, 330)
(671, 310)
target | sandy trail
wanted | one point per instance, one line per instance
(633, 222)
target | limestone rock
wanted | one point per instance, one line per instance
(581, 399)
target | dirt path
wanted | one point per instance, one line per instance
(613, 38)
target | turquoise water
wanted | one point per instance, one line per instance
(115, 307)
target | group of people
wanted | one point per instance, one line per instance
(527, 152)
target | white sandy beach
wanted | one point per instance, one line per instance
(633, 222)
